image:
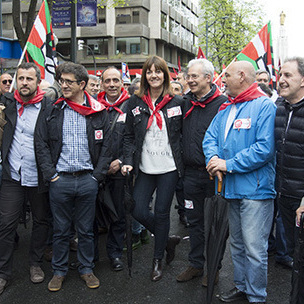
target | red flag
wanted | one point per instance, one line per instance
(175, 72)
(200, 53)
(179, 64)
(260, 53)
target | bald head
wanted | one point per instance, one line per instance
(238, 77)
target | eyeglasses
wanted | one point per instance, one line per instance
(193, 76)
(67, 81)
(7, 80)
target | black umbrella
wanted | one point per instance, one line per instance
(129, 206)
(297, 291)
(105, 208)
(216, 233)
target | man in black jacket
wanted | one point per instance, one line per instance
(21, 181)
(115, 99)
(73, 151)
(289, 130)
(200, 106)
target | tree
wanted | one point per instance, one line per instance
(23, 34)
(231, 25)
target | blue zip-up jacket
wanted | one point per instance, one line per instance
(249, 151)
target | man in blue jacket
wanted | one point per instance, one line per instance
(240, 144)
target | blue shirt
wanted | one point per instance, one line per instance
(75, 155)
(21, 157)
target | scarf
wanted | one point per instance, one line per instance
(250, 93)
(95, 106)
(147, 99)
(123, 97)
(203, 103)
(37, 98)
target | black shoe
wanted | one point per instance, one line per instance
(183, 219)
(117, 264)
(171, 244)
(233, 295)
(157, 270)
(286, 264)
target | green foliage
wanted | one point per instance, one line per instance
(231, 26)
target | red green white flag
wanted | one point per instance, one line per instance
(259, 52)
(40, 45)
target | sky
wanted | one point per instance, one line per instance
(294, 10)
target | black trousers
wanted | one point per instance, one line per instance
(12, 198)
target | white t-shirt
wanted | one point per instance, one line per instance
(157, 157)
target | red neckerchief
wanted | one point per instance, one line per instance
(95, 106)
(147, 99)
(203, 103)
(251, 93)
(123, 97)
(37, 98)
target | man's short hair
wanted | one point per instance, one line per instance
(29, 65)
(260, 71)
(177, 82)
(299, 61)
(207, 66)
(78, 70)
(109, 68)
(94, 77)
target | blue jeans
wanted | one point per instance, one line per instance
(250, 223)
(158, 222)
(73, 196)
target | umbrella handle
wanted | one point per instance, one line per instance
(220, 184)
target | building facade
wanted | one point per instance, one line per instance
(167, 28)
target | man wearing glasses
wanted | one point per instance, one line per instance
(73, 150)
(200, 106)
(5, 83)
(22, 181)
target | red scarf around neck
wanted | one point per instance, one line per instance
(203, 104)
(95, 106)
(101, 97)
(147, 99)
(250, 93)
(37, 98)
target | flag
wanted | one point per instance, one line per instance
(41, 46)
(125, 72)
(175, 72)
(179, 64)
(260, 53)
(200, 53)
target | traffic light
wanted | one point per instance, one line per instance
(80, 44)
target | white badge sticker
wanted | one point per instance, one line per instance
(122, 118)
(98, 134)
(243, 123)
(136, 111)
(175, 111)
(189, 204)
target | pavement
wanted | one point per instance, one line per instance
(119, 288)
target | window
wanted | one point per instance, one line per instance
(7, 22)
(64, 47)
(125, 15)
(135, 18)
(129, 46)
(163, 20)
(123, 18)
(99, 46)
(101, 14)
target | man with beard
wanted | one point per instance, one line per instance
(22, 181)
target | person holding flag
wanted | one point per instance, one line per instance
(22, 180)
(73, 151)
(152, 149)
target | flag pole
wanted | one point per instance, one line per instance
(218, 77)
(20, 60)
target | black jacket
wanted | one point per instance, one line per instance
(48, 142)
(290, 149)
(195, 126)
(9, 130)
(136, 129)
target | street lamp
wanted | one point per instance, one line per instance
(80, 47)
(207, 28)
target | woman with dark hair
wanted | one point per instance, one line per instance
(152, 149)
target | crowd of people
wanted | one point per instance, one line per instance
(63, 145)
